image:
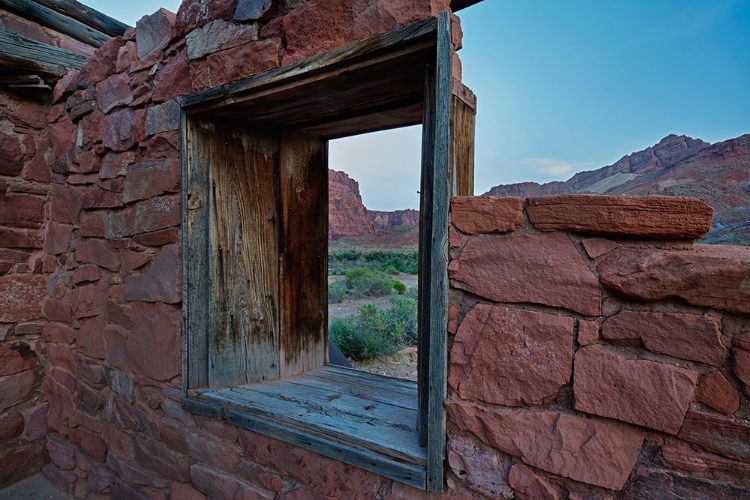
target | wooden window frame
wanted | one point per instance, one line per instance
(294, 101)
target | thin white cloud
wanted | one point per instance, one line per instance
(548, 166)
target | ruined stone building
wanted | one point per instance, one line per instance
(163, 194)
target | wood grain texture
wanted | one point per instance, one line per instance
(45, 16)
(318, 410)
(304, 263)
(463, 117)
(88, 16)
(437, 320)
(243, 254)
(21, 54)
(195, 165)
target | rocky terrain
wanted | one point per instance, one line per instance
(718, 174)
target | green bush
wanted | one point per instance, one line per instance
(390, 262)
(363, 282)
(399, 287)
(336, 292)
(375, 331)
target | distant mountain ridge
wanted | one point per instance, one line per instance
(718, 174)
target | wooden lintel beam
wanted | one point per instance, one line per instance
(19, 54)
(88, 16)
(38, 13)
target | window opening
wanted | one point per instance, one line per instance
(373, 251)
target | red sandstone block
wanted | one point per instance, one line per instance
(217, 485)
(37, 423)
(229, 65)
(541, 269)
(593, 451)
(707, 275)
(58, 333)
(11, 154)
(22, 211)
(65, 203)
(151, 178)
(99, 252)
(20, 238)
(219, 35)
(669, 217)
(89, 300)
(57, 238)
(92, 224)
(90, 338)
(65, 85)
(62, 136)
(114, 91)
(528, 485)
(173, 77)
(715, 391)
(11, 425)
(57, 310)
(159, 238)
(196, 13)
(96, 197)
(157, 458)
(61, 453)
(486, 214)
(483, 469)
(596, 247)
(185, 492)
(511, 357)
(153, 32)
(21, 297)
(16, 357)
(131, 473)
(153, 345)
(717, 433)
(102, 63)
(641, 392)
(117, 132)
(588, 332)
(686, 336)
(698, 463)
(741, 365)
(160, 282)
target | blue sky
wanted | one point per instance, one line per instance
(567, 86)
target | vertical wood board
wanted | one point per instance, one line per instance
(243, 255)
(195, 208)
(304, 242)
(463, 117)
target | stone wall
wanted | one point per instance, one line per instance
(595, 351)
(24, 184)
(112, 258)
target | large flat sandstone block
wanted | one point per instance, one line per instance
(511, 357)
(642, 392)
(670, 217)
(707, 275)
(540, 269)
(592, 451)
(687, 336)
(21, 297)
(486, 214)
(717, 433)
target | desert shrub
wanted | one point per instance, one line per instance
(375, 331)
(336, 292)
(391, 262)
(363, 282)
(399, 287)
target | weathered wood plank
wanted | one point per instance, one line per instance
(374, 380)
(436, 322)
(347, 453)
(361, 391)
(195, 166)
(33, 11)
(88, 16)
(198, 407)
(303, 341)
(243, 254)
(463, 117)
(21, 54)
(347, 428)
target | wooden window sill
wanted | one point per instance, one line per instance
(359, 418)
